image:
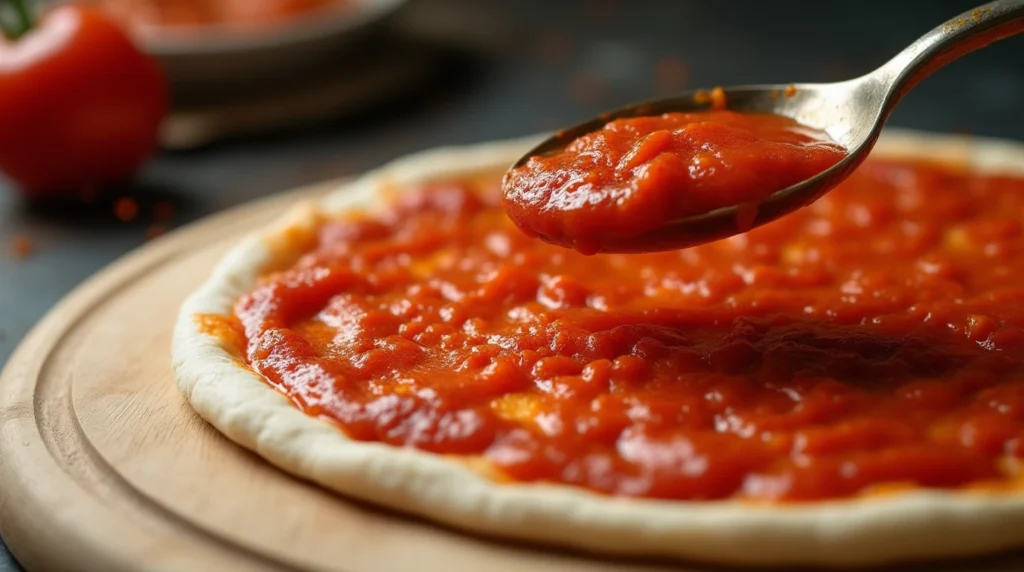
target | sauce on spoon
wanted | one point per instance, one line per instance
(639, 174)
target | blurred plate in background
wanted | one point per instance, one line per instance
(223, 47)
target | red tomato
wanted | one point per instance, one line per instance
(80, 105)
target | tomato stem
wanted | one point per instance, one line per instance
(22, 20)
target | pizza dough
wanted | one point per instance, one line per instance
(457, 492)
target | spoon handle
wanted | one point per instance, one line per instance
(957, 37)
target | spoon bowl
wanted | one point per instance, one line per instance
(852, 113)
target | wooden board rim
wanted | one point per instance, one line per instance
(22, 443)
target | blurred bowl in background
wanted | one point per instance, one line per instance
(206, 54)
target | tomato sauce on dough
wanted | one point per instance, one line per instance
(874, 339)
(637, 175)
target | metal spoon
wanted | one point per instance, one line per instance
(851, 112)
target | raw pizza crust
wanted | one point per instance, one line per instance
(457, 492)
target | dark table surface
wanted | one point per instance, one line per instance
(522, 67)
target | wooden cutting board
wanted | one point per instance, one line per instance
(103, 466)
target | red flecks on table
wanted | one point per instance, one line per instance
(126, 209)
(21, 247)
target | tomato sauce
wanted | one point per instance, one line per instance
(874, 340)
(637, 175)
